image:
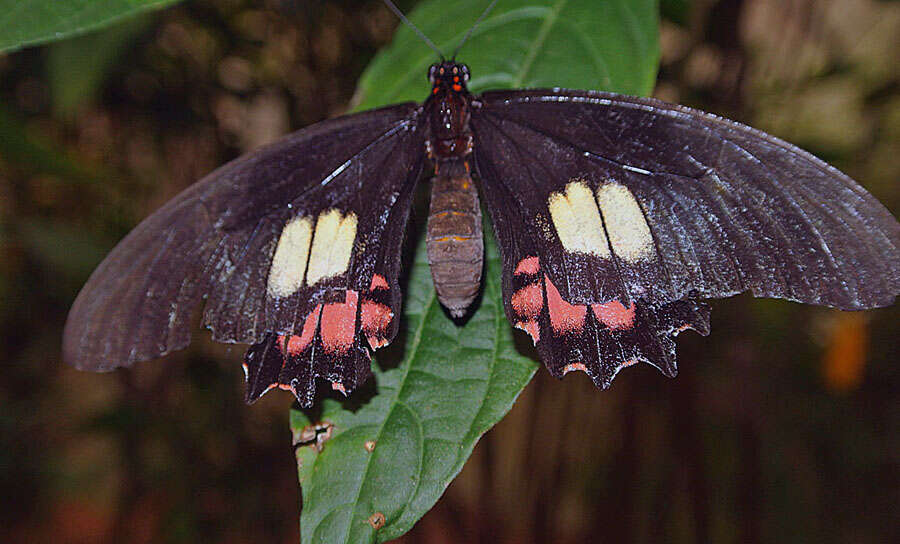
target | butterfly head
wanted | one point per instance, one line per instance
(448, 77)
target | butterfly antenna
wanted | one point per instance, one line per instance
(418, 32)
(472, 29)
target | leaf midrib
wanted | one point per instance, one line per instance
(499, 320)
(538, 42)
(393, 404)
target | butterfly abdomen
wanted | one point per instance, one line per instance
(455, 240)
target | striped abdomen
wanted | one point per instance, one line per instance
(455, 240)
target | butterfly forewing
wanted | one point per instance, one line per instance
(348, 181)
(729, 208)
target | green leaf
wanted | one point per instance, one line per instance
(31, 22)
(455, 382)
(608, 45)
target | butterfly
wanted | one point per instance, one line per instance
(615, 215)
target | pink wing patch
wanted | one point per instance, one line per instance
(528, 301)
(615, 315)
(296, 344)
(528, 266)
(338, 326)
(564, 317)
(378, 282)
(598, 339)
(335, 343)
(376, 321)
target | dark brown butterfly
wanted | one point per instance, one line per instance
(614, 215)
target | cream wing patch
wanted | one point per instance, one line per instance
(332, 245)
(577, 220)
(626, 226)
(289, 262)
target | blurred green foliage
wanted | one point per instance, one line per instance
(76, 67)
(31, 22)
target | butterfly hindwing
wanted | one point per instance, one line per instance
(295, 246)
(614, 214)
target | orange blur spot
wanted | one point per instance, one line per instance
(844, 362)
(457, 87)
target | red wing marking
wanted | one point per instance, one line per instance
(378, 282)
(376, 318)
(338, 326)
(615, 315)
(528, 265)
(338, 386)
(528, 301)
(296, 344)
(564, 317)
(571, 367)
(532, 328)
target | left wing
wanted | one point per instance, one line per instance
(615, 213)
(295, 249)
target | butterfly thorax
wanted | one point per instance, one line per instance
(454, 239)
(448, 112)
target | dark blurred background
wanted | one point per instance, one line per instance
(783, 424)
